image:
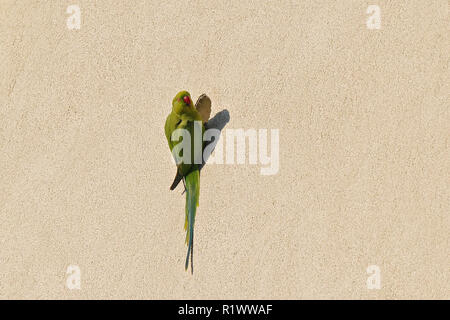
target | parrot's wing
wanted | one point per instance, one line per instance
(203, 106)
(176, 180)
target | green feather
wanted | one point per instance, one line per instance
(192, 196)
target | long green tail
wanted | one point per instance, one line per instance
(192, 195)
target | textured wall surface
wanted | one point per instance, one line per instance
(364, 149)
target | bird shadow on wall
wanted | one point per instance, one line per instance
(218, 122)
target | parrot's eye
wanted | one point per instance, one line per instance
(186, 100)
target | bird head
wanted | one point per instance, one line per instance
(182, 102)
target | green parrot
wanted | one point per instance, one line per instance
(186, 116)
